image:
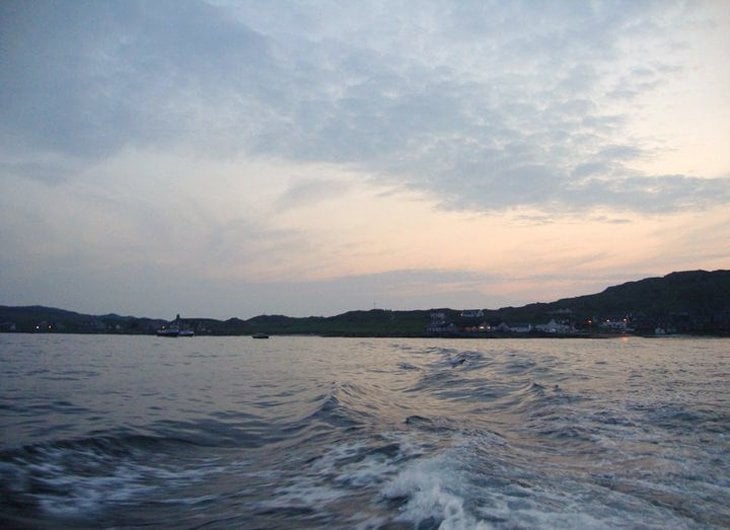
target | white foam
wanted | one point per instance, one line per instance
(325, 480)
(77, 495)
(432, 488)
(80, 482)
(304, 492)
(342, 470)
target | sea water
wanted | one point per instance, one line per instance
(306, 432)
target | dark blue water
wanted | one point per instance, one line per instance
(127, 432)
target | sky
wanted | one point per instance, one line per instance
(233, 158)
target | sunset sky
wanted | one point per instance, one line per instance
(228, 158)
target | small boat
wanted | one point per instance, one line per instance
(175, 330)
(172, 331)
(260, 336)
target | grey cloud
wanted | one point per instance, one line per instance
(619, 152)
(628, 91)
(590, 168)
(654, 194)
(87, 78)
(642, 71)
(310, 191)
(604, 124)
(490, 105)
(49, 172)
(610, 220)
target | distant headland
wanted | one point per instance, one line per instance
(688, 302)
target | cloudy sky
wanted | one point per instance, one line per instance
(232, 158)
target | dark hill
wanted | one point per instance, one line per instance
(699, 292)
(688, 302)
(50, 319)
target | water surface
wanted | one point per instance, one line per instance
(304, 432)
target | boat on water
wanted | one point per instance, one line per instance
(260, 336)
(171, 331)
(175, 329)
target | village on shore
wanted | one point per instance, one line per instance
(474, 323)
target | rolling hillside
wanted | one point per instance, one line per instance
(684, 302)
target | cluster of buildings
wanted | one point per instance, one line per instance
(474, 322)
(564, 323)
